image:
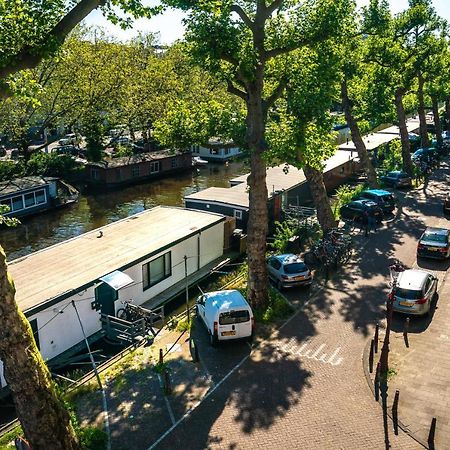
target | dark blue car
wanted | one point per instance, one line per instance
(384, 199)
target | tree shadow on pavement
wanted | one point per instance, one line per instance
(252, 402)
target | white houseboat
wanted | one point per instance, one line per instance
(216, 150)
(136, 259)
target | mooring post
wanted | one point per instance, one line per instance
(395, 412)
(431, 434)
(161, 357)
(377, 331)
(372, 346)
(377, 382)
(405, 332)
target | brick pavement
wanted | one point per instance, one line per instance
(422, 370)
(305, 387)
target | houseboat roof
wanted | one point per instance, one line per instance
(375, 140)
(277, 179)
(134, 159)
(23, 184)
(235, 196)
(68, 267)
(394, 129)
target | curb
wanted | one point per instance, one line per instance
(402, 426)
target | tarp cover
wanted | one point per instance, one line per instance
(117, 279)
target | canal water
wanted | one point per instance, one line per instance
(95, 210)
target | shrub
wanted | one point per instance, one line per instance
(282, 235)
(345, 194)
(93, 438)
(279, 308)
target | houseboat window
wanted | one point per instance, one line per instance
(227, 151)
(95, 174)
(17, 203)
(119, 174)
(174, 162)
(135, 171)
(40, 196)
(238, 214)
(154, 167)
(157, 270)
(213, 151)
(29, 199)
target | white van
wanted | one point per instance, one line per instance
(226, 315)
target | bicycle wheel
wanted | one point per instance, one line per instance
(122, 314)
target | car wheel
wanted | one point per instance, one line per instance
(213, 340)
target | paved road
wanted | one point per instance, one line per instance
(305, 388)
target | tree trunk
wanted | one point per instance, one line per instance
(45, 421)
(422, 117)
(325, 214)
(406, 147)
(357, 139)
(447, 113)
(257, 228)
(437, 121)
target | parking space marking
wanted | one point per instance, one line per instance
(169, 408)
(294, 348)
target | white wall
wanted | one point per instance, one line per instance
(211, 247)
(220, 153)
(59, 332)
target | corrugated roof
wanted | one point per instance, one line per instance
(63, 267)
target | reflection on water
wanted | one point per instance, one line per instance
(95, 210)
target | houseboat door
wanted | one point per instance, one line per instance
(105, 296)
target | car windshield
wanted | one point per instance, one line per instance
(231, 317)
(295, 268)
(408, 293)
(434, 237)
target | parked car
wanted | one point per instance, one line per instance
(414, 292)
(226, 315)
(434, 243)
(396, 179)
(446, 205)
(425, 154)
(384, 199)
(288, 270)
(356, 209)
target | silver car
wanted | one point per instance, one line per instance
(414, 292)
(288, 270)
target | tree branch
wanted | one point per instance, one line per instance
(276, 94)
(29, 57)
(276, 4)
(242, 14)
(232, 89)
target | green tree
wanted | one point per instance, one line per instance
(248, 45)
(353, 103)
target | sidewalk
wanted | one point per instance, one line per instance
(421, 371)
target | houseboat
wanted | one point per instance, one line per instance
(132, 260)
(31, 195)
(113, 172)
(286, 185)
(216, 150)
